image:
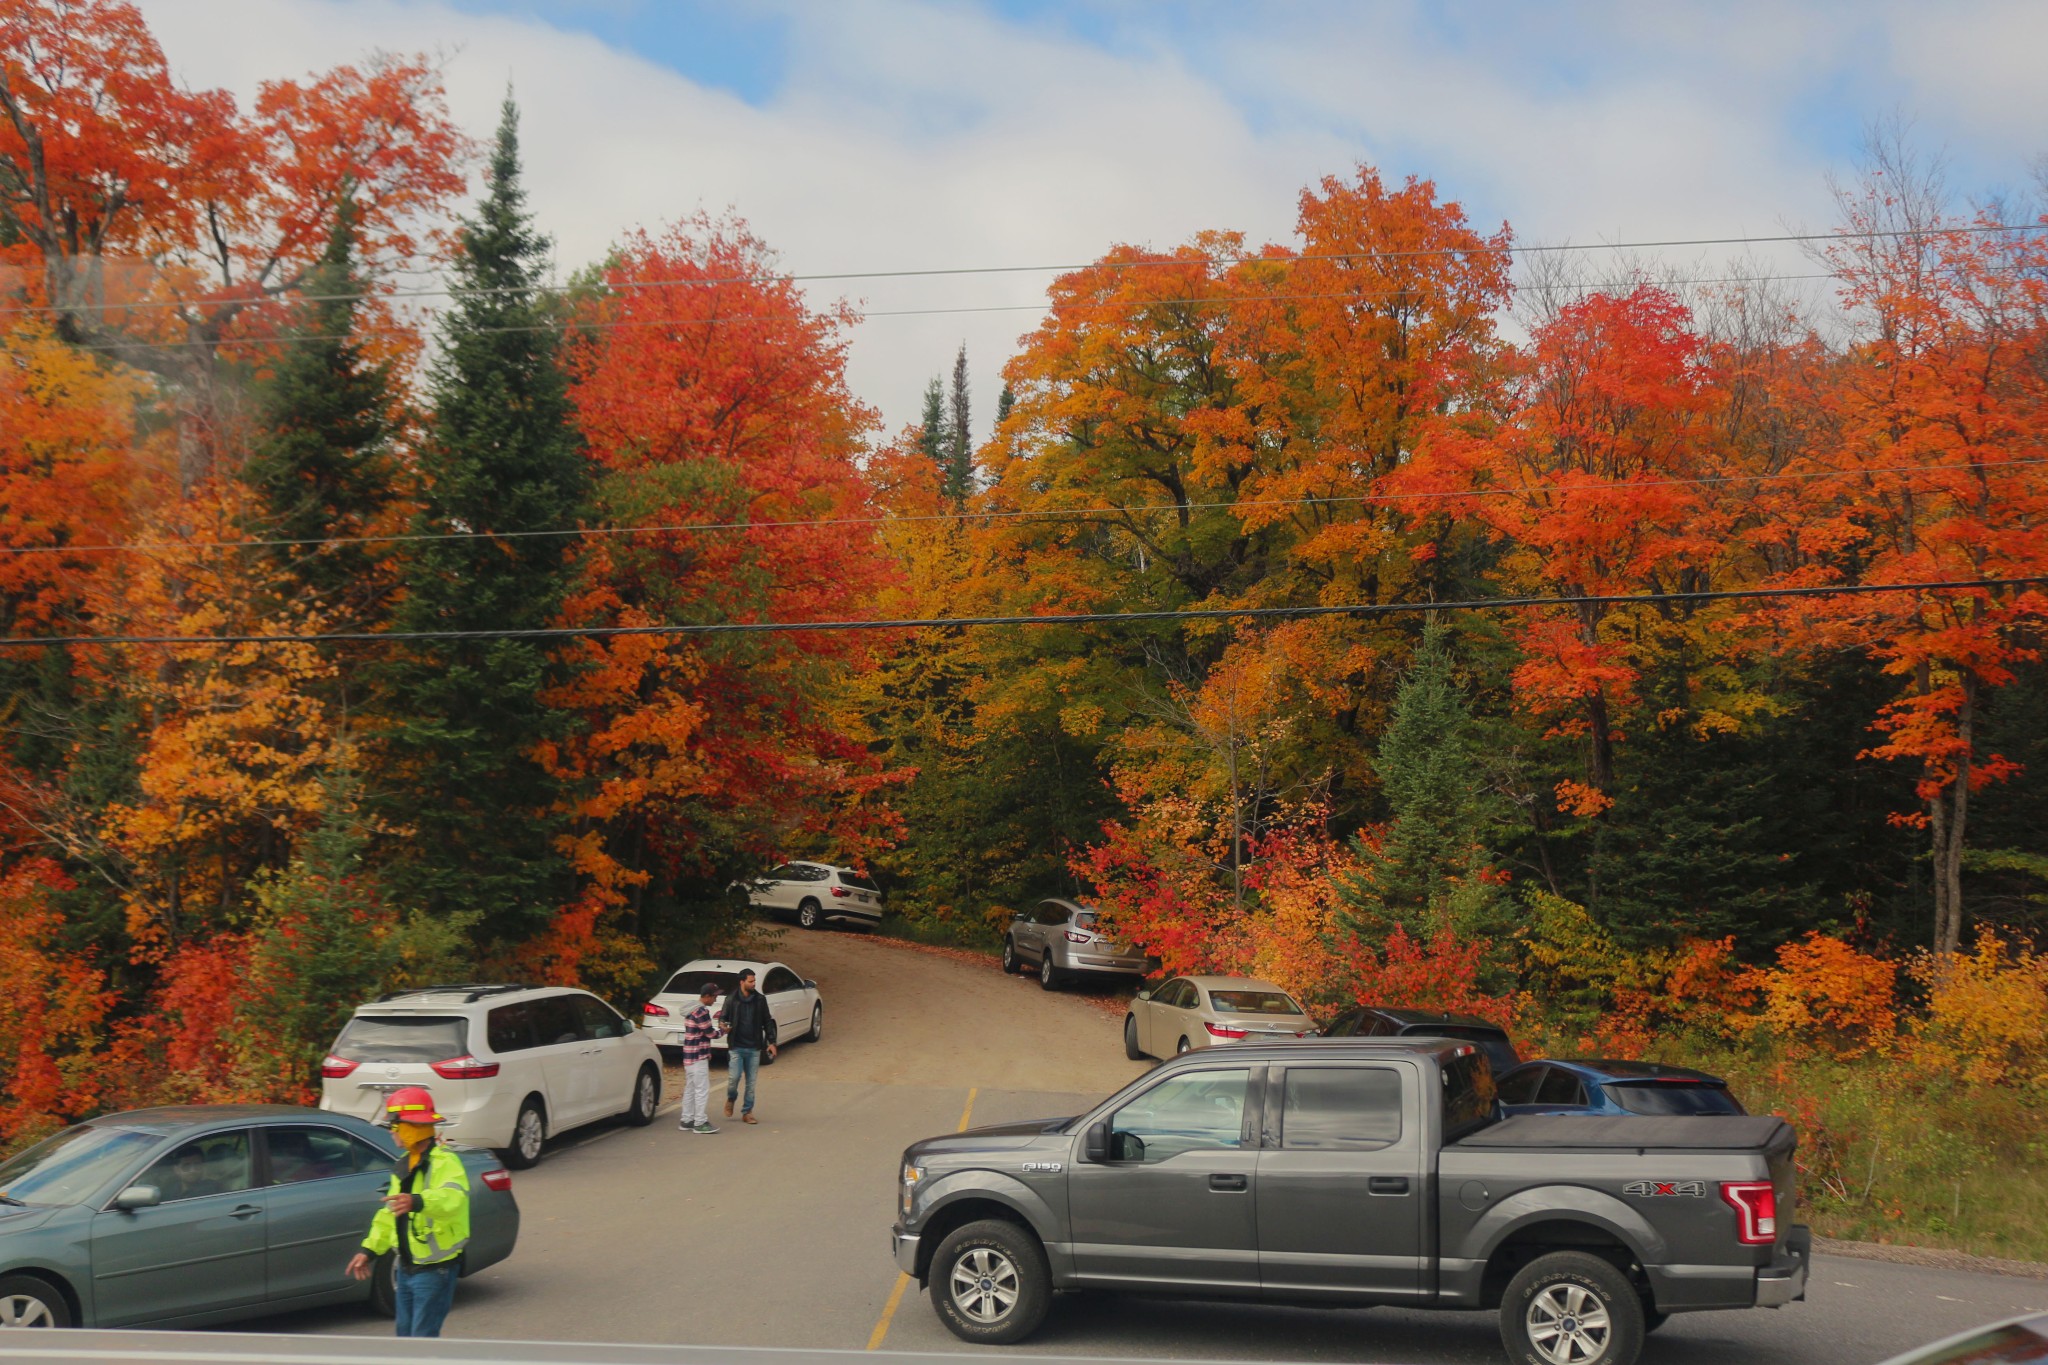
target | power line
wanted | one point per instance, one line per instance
(1362, 609)
(1159, 261)
(1054, 514)
(1220, 301)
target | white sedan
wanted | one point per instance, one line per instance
(798, 1010)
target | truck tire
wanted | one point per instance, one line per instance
(1571, 1308)
(1131, 1049)
(990, 1282)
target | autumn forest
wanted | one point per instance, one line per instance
(1651, 664)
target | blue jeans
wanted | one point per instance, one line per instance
(742, 1061)
(423, 1297)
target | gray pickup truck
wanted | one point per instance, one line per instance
(1354, 1171)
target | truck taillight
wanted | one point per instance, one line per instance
(499, 1179)
(334, 1068)
(1756, 1210)
(651, 1008)
(1221, 1031)
(465, 1069)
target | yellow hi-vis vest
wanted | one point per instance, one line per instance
(438, 1226)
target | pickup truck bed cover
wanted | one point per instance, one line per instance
(1714, 1132)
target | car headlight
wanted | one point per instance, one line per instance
(911, 1175)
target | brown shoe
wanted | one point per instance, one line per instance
(728, 1108)
(748, 1118)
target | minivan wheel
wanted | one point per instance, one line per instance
(807, 914)
(990, 1282)
(1010, 963)
(1571, 1308)
(1048, 975)
(1131, 1039)
(529, 1135)
(646, 1097)
(26, 1301)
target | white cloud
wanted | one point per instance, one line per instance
(918, 135)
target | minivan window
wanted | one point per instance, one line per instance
(69, 1167)
(691, 983)
(1340, 1108)
(556, 1021)
(403, 1038)
(1252, 1002)
(509, 1028)
(597, 1019)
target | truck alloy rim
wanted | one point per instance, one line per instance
(985, 1285)
(25, 1310)
(1568, 1324)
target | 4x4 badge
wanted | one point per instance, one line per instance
(1044, 1167)
(1651, 1189)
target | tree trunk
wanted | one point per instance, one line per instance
(1948, 819)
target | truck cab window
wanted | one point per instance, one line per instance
(1201, 1111)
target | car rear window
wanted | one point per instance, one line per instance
(691, 983)
(403, 1038)
(858, 882)
(1252, 1002)
(1673, 1097)
(74, 1164)
(1084, 919)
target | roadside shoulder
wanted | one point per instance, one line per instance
(1931, 1256)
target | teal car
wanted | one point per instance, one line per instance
(183, 1217)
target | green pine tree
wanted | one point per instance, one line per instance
(1428, 872)
(466, 715)
(931, 427)
(321, 463)
(959, 444)
(1005, 400)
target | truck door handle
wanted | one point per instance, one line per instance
(1229, 1184)
(1387, 1184)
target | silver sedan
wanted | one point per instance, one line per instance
(1192, 1012)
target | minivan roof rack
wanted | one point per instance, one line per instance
(472, 990)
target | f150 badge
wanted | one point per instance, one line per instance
(1044, 1167)
(1652, 1189)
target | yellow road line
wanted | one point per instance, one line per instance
(881, 1332)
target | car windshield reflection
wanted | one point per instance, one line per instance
(73, 1165)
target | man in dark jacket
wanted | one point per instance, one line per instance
(749, 1028)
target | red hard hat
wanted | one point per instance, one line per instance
(411, 1105)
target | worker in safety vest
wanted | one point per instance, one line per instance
(425, 1217)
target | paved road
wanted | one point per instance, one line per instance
(776, 1235)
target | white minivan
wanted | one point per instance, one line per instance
(509, 1065)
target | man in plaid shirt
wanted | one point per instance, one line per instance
(699, 1028)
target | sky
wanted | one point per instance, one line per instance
(890, 135)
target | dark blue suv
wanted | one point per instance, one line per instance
(1607, 1087)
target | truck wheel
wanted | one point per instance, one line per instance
(1571, 1308)
(990, 1283)
(26, 1301)
(1131, 1039)
(1652, 1319)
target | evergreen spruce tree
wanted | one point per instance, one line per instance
(466, 715)
(959, 453)
(321, 462)
(931, 430)
(1426, 874)
(1005, 400)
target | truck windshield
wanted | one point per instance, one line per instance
(1252, 1002)
(1668, 1097)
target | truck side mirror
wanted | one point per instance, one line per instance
(1095, 1146)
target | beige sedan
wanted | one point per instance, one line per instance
(1205, 1011)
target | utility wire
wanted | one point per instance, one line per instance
(1053, 514)
(1149, 262)
(1362, 609)
(864, 315)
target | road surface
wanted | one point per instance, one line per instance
(777, 1234)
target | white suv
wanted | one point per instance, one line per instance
(508, 1065)
(814, 894)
